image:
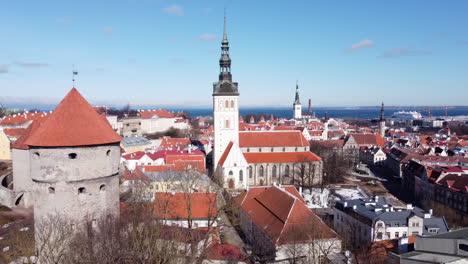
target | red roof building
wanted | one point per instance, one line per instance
(183, 206)
(73, 123)
(272, 139)
(161, 113)
(281, 157)
(280, 217)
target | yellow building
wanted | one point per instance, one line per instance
(7, 137)
(5, 144)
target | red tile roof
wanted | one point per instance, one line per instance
(272, 139)
(20, 142)
(283, 218)
(136, 175)
(22, 118)
(14, 132)
(369, 139)
(168, 142)
(185, 206)
(281, 157)
(73, 123)
(187, 162)
(225, 154)
(162, 113)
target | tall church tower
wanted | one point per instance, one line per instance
(382, 121)
(225, 104)
(297, 107)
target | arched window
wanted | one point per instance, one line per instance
(102, 187)
(241, 175)
(261, 171)
(227, 124)
(286, 171)
(230, 173)
(232, 103)
(250, 172)
(274, 171)
(37, 155)
(226, 104)
(51, 190)
(108, 152)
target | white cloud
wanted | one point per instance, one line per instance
(363, 44)
(3, 68)
(174, 10)
(207, 37)
(404, 51)
(30, 64)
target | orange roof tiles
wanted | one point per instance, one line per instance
(185, 206)
(369, 139)
(168, 142)
(73, 123)
(225, 153)
(20, 142)
(162, 113)
(281, 157)
(14, 132)
(272, 139)
(282, 217)
(22, 118)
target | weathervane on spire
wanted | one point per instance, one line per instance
(74, 72)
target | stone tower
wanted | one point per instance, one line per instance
(382, 121)
(225, 104)
(74, 161)
(297, 107)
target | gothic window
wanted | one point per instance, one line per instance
(274, 171)
(226, 104)
(227, 124)
(261, 171)
(232, 103)
(250, 172)
(241, 175)
(286, 171)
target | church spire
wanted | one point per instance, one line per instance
(225, 85)
(382, 113)
(296, 100)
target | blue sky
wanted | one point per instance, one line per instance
(344, 53)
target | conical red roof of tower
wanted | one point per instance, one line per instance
(73, 123)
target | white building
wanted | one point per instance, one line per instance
(368, 220)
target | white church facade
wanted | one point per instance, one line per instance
(252, 158)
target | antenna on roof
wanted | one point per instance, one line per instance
(74, 72)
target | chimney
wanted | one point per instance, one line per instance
(409, 206)
(430, 211)
(300, 191)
